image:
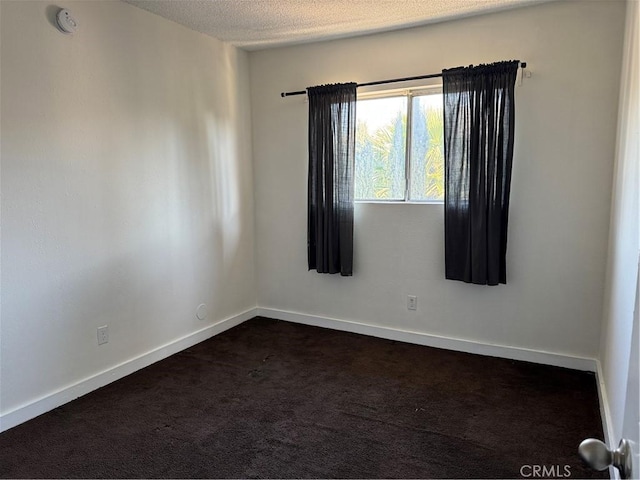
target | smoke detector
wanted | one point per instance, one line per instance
(66, 23)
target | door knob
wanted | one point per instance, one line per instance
(599, 457)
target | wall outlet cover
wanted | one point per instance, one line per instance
(103, 335)
(412, 302)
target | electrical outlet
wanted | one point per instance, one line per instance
(412, 302)
(103, 335)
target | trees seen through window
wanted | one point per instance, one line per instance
(383, 170)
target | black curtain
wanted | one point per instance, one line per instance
(478, 148)
(332, 134)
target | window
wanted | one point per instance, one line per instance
(391, 164)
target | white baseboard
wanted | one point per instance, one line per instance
(66, 394)
(605, 411)
(447, 343)
(605, 416)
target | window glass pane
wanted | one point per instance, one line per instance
(427, 148)
(380, 148)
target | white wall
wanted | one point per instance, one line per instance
(560, 203)
(127, 194)
(624, 242)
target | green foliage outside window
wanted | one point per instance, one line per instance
(381, 140)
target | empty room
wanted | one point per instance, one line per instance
(319, 239)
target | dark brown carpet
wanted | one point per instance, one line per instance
(280, 400)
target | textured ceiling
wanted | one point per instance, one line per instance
(258, 24)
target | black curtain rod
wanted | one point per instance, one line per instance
(381, 82)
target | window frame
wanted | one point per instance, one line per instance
(409, 94)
